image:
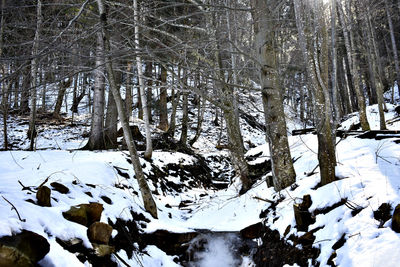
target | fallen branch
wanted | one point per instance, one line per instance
(13, 207)
(121, 259)
(265, 200)
(25, 187)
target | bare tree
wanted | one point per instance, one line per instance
(148, 201)
(266, 46)
(317, 71)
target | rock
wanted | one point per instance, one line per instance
(396, 219)
(252, 231)
(397, 109)
(76, 214)
(383, 213)
(102, 250)
(93, 211)
(276, 251)
(43, 196)
(303, 217)
(60, 188)
(106, 199)
(287, 230)
(84, 214)
(170, 243)
(136, 134)
(338, 244)
(23, 249)
(99, 233)
(259, 168)
(307, 239)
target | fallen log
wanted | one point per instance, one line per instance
(304, 131)
(339, 133)
(372, 134)
(379, 134)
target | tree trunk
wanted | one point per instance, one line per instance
(110, 126)
(44, 89)
(172, 122)
(149, 146)
(335, 103)
(96, 139)
(163, 101)
(25, 92)
(129, 96)
(394, 46)
(228, 99)
(111, 122)
(34, 70)
(185, 119)
(4, 106)
(282, 166)
(373, 68)
(148, 201)
(200, 115)
(354, 67)
(326, 148)
(60, 96)
(149, 92)
(5, 87)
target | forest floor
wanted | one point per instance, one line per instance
(187, 190)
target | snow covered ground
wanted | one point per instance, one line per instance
(369, 172)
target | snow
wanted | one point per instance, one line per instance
(368, 170)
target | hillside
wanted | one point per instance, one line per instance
(199, 223)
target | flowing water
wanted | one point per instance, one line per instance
(224, 249)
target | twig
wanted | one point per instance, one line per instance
(15, 160)
(47, 179)
(121, 259)
(313, 171)
(25, 187)
(13, 207)
(265, 200)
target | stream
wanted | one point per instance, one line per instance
(220, 249)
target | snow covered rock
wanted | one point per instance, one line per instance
(23, 249)
(301, 214)
(84, 214)
(99, 233)
(43, 196)
(60, 188)
(396, 219)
